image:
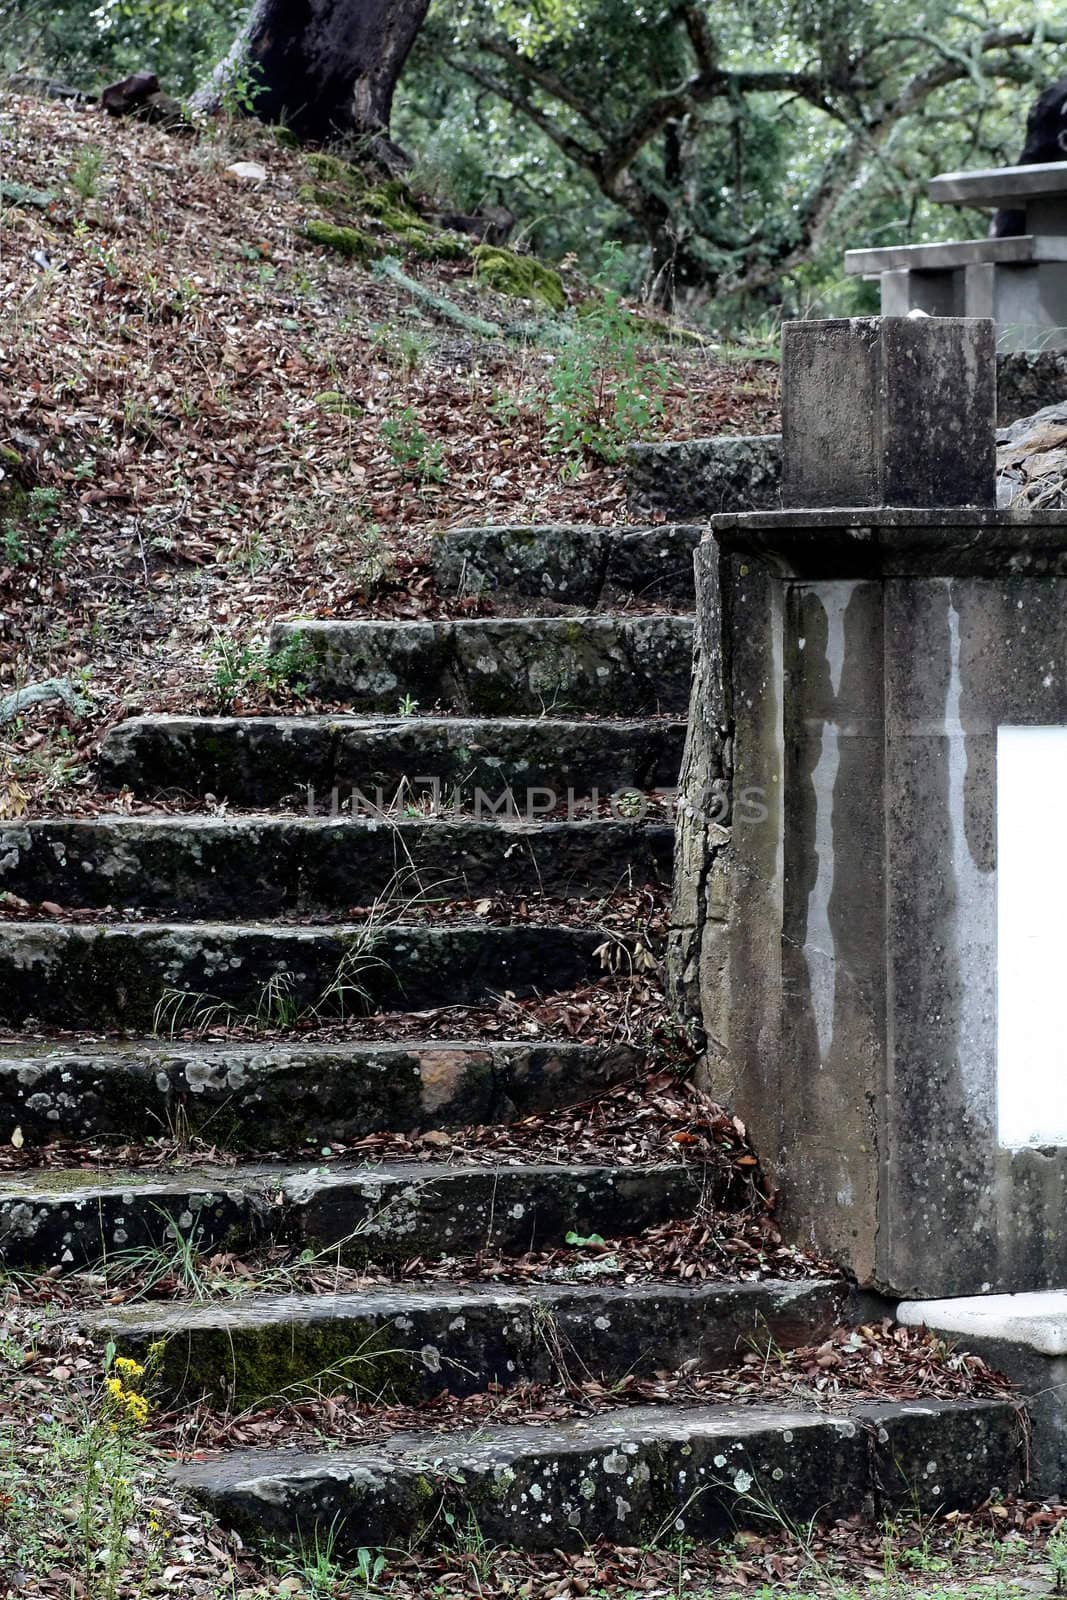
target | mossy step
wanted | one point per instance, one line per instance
(171, 976)
(412, 1342)
(384, 1213)
(502, 666)
(634, 1476)
(570, 563)
(262, 867)
(266, 761)
(277, 1096)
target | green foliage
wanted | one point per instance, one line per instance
(91, 43)
(602, 391)
(740, 184)
(250, 671)
(84, 179)
(522, 276)
(411, 449)
(33, 529)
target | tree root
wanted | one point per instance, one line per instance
(49, 689)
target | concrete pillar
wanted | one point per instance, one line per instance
(889, 411)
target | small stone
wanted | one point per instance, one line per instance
(436, 1139)
(247, 172)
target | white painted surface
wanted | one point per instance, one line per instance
(1038, 1321)
(1031, 936)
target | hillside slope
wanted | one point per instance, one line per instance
(209, 419)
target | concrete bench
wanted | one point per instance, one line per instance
(1019, 281)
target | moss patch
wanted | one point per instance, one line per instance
(524, 277)
(350, 242)
(331, 169)
(391, 206)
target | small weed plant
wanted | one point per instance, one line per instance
(250, 671)
(418, 457)
(602, 391)
(83, 1506)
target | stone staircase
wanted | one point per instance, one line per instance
(192, 916)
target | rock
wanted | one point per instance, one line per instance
(1027, 380)
(1032, 460)
(247, 172)
(126, 96)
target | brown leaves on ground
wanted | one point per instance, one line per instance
(173, 350)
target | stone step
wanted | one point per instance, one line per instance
(272, 866)
(174, 977)
(390, 1212)
(634, 1476)
(570, 563)
(700, 477)
(412, 1342)
(267, 761)
(514, 666)
(277, 1096)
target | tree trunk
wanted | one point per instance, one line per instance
(326, 69)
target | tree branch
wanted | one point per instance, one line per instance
(579, 153)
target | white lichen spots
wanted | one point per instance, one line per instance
(587, 1488)
(720, 1461)
(430, 1357)
(403, 1324)
(603, 1323)
(777, 1474)
(622, 1508)
(616, 1462)
(518, 1211)
(787, 1436)
(742, 1482)
(536, 1492)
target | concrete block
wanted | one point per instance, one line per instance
(1025, 1337)
(889, 411)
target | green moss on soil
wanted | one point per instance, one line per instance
(331, 169)
(351, 242)
(524, 277)
(391, 206)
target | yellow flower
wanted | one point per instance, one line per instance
(128, 1368)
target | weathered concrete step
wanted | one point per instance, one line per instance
(411, 1343)
(701, 477)
(615, 665)
(166, 977)
(634, 1476)
(391, 1212)
(570, 563)
(278, 1096)
(265, 761)
(261, 867)
(56, 1218)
